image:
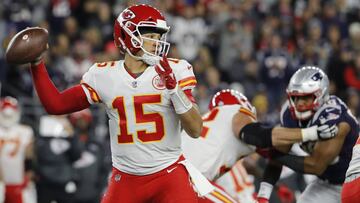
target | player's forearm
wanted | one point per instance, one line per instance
(68, 101)
(188, 112)
(285, 136)
(314, 166)
(29, 151)
(292, 161)
(262, 136)
(301, 164)
(191, 122)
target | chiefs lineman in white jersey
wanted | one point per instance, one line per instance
(16, 142)
(351, 188)
(218, 149)
(148, 100)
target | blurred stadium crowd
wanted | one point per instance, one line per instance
(250, 45)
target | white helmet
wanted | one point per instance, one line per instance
(308, 80)
(9, 112)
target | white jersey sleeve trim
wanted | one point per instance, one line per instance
(87, 93)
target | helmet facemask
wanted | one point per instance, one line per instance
(302, 112)
(137, 40)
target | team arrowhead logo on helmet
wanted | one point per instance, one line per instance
(127, 15)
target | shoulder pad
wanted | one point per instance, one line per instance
(329, 113)
(184, 74)
(248, 109)
(103, 65)
(177, 64)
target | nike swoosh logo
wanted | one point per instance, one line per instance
(170, 170)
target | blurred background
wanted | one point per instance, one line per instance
(253, 46)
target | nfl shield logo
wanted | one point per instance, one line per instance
(134, 84)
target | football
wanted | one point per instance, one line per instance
(27, 45)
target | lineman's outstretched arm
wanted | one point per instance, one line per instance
(323, 154)
(262, 136)
(55, 102)
(246, 128)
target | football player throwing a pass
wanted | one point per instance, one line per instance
(148, 100)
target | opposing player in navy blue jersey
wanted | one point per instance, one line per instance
(309, 104)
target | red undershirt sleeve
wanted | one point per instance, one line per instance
(55, 102)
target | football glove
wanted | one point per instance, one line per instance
(319, 132)
(166, 74)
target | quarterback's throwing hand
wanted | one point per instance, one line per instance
(27, 46)
(166, 74)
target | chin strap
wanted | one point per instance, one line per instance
(147, 58)
(150, 60)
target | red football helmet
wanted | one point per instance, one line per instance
(129, 25)
(229, 97)
(9, 111)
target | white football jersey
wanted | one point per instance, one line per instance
(217, 150)
(144, 128)
(354, 166)
(14, 141)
